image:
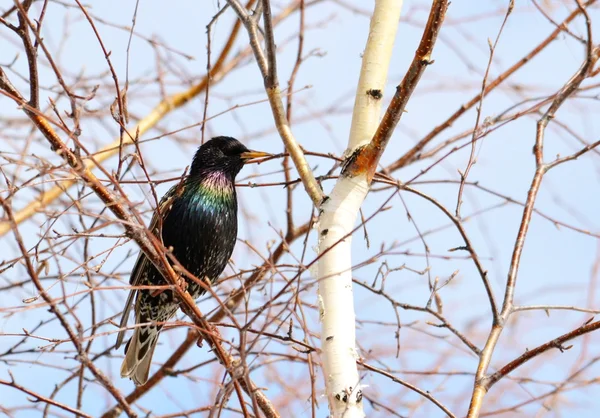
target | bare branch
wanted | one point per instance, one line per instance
(530, 354)
(367, 158)
(267, 64)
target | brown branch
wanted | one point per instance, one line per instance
(413, 153)
(570, 86)
(230, 305)
(104, 381)
(160, 111)
(421, 392)
(268, 68)
(148, 243)
(30, 51)
(40, 398)
(365, 159)
(541, 168)
(148, 122)
(530, 354)
(468, 246)
(444, 322)
(476, 132)
(557, 389)
(286, 160)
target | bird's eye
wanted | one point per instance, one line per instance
(232, 151)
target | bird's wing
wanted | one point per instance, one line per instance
(141, 264)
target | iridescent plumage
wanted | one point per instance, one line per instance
(199, 224)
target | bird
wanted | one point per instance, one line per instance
(197, 221)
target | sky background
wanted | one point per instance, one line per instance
(559, 265)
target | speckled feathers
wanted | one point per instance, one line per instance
(199, 225)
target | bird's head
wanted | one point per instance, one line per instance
(223, 154)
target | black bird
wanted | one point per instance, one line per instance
(199, 223)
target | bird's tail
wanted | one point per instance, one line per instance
(138, 354)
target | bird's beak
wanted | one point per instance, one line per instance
(250, 157)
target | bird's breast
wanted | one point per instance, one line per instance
(202, 232)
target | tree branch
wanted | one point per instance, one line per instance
(591, 57)
(530, 354)
(144, 125)
(366, 160)
(267, 64)
(148, 243)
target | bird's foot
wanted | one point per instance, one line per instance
(182, 283)
(214, 331)
(156, 292)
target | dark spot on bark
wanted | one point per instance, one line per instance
(375, 93)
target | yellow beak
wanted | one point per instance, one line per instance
(250, 157)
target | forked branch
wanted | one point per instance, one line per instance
(592, 55)
(267, 63)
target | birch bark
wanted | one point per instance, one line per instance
(337, 220)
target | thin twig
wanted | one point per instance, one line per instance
(476, 129)
(267, 63)
(367, 158)
(529, 354)
(106, 383)
(421, 392)
(592, 55)
(413, 153)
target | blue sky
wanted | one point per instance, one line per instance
(557, 265)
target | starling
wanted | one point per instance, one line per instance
(199, 226)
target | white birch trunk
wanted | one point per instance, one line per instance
(338, 219)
